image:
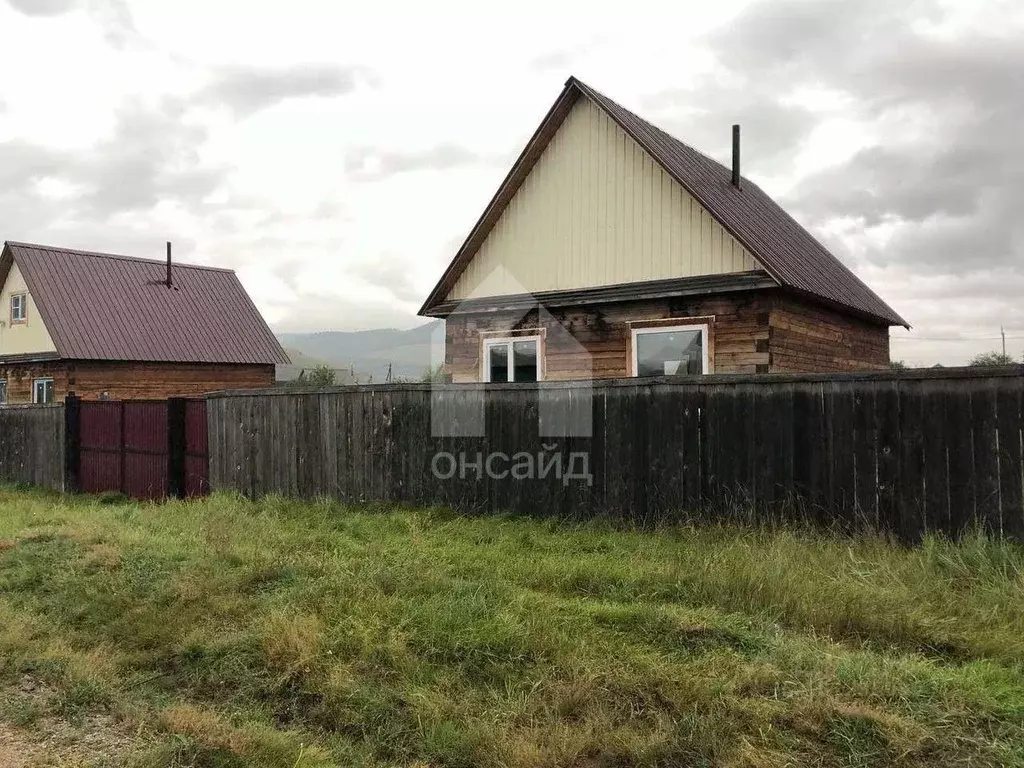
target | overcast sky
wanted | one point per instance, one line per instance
(336, 157)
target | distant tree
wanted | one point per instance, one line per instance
(897, 365)
(321, 376)
(434, 375)
(992, 358)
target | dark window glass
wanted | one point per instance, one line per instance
(42, 391)
(497, 362)
(524, 356)
(669, 353)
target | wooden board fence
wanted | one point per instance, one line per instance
(938, 450)
(32, 445)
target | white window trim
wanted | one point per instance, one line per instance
(22, 307)
(508, 341)
(702, 327)
(35, 385)
(3, 388)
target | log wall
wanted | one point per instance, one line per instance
(90, 379)
(750, 332)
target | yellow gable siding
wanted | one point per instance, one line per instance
(21, 338)
(597, 210)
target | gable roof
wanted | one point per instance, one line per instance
(789, 253)
(101, 306)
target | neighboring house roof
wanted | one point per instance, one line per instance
(789, 253)
(100, 306)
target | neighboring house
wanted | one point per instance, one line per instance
(105, 326)
(613, 249)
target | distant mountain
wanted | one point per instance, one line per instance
(368, 352)
(300, 362)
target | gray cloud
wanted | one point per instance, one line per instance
(552, 60)
(945, 178)
(702, 116)
(320, 312)
(113, 16)
(370, 164)
(22, 164)
(246, 91)
(116, 20)
(390, 274)
(949, 111)
(152, 156)
(43, 7)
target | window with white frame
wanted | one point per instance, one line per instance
(515, 358)
(3, 392)
(42, 391)
(677, 350)
(19, 307)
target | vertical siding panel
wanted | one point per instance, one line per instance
(606, 219)
(672, 221)
(574, 223)
(647, 216)
(597, 210)
(587, 169)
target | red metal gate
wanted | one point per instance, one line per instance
(146, 449)
(197, 455)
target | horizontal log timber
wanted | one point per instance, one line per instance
(753, 331)
(125, 380)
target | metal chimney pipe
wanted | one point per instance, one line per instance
(169, 283)
(736, 156)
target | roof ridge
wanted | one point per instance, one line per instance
(123, 257)
(663, 135)
(700, 152)
(784, 248)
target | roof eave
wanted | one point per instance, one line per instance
(646, 290)
(892, 321)
(520, 169)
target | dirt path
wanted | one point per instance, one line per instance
(52, 740)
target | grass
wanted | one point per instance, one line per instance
(231, 633)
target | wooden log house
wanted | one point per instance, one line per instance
(613, 249)
(105, 326)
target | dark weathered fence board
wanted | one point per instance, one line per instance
(1010, 431)
(933, 451)
(32, 446)
(959, 459)
(986, 457)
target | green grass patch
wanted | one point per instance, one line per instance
(225, 632)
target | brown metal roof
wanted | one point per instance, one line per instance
(100, 306)
(787, 251)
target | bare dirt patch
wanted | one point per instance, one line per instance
(15, 750)
(94, 738)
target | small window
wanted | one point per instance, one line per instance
(3, 392)
(19, 308)
(679, 350)
(513, 359)
(42, 391)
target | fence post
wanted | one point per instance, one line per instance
(72, 443)
(176, 447)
